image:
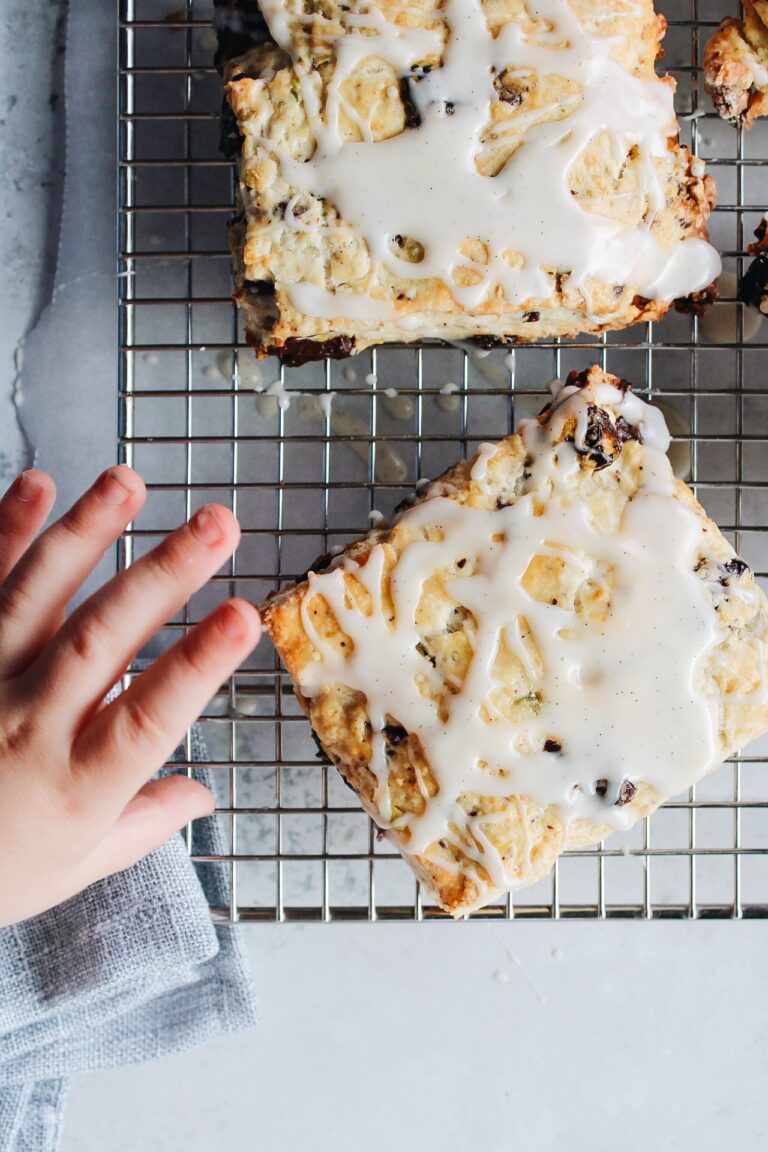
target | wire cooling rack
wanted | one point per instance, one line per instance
(203, 421)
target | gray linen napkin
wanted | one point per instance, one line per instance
(131, 969)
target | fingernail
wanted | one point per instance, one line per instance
(27, 488)
(231, 623)
(112, 490)
(206, 527)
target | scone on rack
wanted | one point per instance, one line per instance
(753, 289)
(495, 170)
(736, 65)
(550, 642)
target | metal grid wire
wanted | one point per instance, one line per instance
(304, 479)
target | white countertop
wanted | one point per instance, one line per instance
(572, 1036)
(553, 1038)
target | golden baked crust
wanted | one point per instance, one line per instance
(528, 835)
(736, 65)
(267, 90)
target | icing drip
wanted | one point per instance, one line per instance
(612, 699)
(425, 184)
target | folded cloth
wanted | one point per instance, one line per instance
(132, 968)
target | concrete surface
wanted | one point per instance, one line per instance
(31, 171)
(434, 1038)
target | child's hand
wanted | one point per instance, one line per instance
(75, 804)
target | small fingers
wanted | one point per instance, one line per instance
(23, 510)
(102, 636)
(34, 597)
(141, 728)
(154, 814)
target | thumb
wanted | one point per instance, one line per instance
(158, 810)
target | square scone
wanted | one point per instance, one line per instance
(495, 170)
(552, 640)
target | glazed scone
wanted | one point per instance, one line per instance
(553, 640)
(495, 170)
(736, 65)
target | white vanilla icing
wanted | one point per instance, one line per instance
(424, 184)
(447, 398)
(399, 405)
(619, 697)
(281, 394)
(315, 301)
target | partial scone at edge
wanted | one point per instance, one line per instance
(753, 289)
(270, 256)
(527, 834)
(736, 65)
